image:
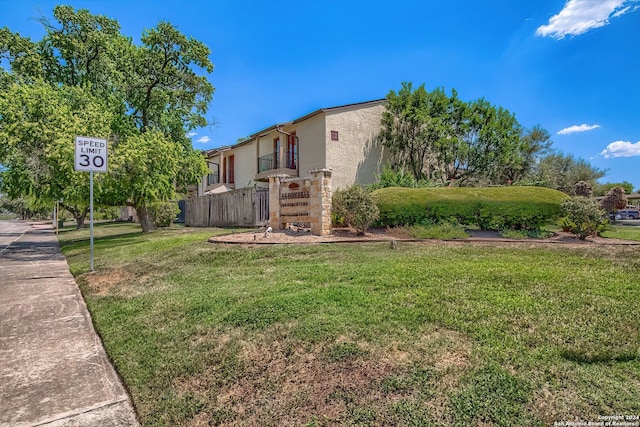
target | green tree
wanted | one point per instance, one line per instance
(163, 90)
(143, 173)
(492, 136)
(562, 172)
(443, 139)
(404, 129)
(39, 123)
(83, 49)
(603, 189)
(159, 86)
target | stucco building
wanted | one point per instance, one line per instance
(342, 138)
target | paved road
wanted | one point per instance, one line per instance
(10, 231)
(53, 368)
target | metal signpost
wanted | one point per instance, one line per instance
(91, 155)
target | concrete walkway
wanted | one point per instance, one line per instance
(53, 368)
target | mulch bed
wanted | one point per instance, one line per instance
(345, 235)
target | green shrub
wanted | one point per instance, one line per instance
(356, 207)
(496, 208)
(163, 213)
(583, 217)
(391, 178)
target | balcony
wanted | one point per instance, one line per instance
(266, 163)
(213, 179)
(281, 163)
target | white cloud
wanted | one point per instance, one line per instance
(203, 139)
(579, 16)
(192, 134)
(622, 11)
(621, 149)
(577, 128)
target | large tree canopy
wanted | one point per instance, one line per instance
(85, 78)
(39, 123)
(441, 138)
(563, 171)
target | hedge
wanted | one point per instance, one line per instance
(494, 208)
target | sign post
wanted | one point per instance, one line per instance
(91, 155)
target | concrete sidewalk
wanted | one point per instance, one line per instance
(53, 368)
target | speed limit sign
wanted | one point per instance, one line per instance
(91, 154)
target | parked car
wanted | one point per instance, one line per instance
(629, 213)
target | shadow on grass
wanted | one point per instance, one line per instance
(64, 233)
(604, 357)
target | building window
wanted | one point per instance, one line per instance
(229, 170)
(291, 156)
(334, 135)
(276, 154)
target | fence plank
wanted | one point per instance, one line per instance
(240, 208)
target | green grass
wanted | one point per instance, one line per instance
(442, 333)
(443, 231)
(623, 232)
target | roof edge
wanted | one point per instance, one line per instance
(339, 107)
(271, 128)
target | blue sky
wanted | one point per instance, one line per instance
(572, 67)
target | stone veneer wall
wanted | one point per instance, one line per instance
(301, 201)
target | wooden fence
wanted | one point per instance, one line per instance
(246, 207)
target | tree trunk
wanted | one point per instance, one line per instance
(78, 216)
(79, 221)
(145, 220)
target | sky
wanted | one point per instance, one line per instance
(572, 67)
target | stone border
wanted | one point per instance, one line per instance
(286, 237)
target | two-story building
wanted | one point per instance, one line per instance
(342, 138)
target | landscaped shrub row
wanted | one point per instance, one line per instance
(495, 208)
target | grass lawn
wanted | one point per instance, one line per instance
(436, 333)
(625, 232)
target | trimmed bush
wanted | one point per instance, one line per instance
(163, 213)
(614, 199)
(583, 217)
(495, 208)
(355, 207)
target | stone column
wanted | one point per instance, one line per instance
(320, 202)
(274, 202)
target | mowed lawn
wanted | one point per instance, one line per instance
(434, 333)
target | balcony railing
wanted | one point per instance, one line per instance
(266, 163)
(213, 178)
(272, 161)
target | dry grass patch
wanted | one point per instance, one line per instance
(279, 380)
(107, 282)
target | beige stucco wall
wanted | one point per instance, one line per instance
(265, 143)
(357, 156)
(245, 162)
(311, 136)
